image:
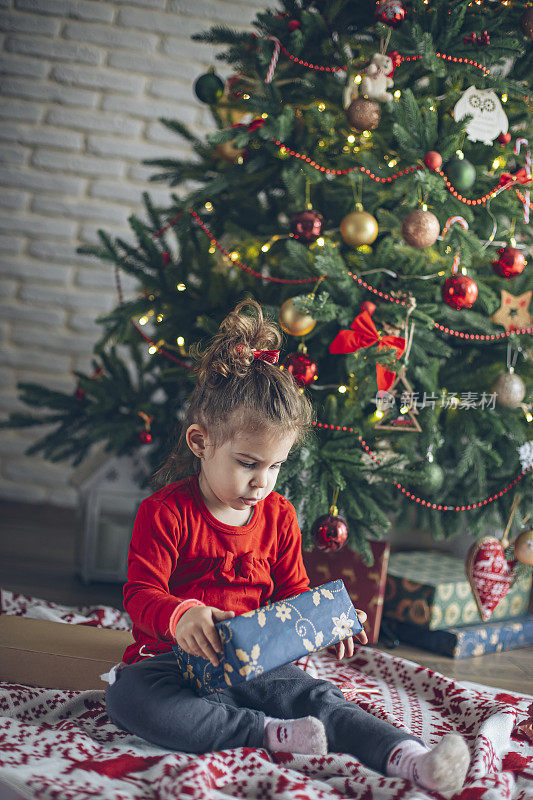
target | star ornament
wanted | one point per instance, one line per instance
(513, 312)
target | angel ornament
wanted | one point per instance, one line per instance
(372, 83)
(489, 118)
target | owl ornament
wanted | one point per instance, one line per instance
(488, 117)
(372, 82)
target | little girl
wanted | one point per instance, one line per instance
(221, 542)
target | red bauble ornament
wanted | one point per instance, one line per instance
(145, 437)
(459, 292)
(301, 367)
(330, 531)
(489, 573)
(293, 25)
(390, 12)
(307, 225)
(504, 138)
(510, 263)
(368, 305)
(433, 160)
(80, 395)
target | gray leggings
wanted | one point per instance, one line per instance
(150, 700)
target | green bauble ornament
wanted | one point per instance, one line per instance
(433, 477)
(461, 173)
(209, 88)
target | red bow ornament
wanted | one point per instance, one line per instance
(507, 179)
(363, 333)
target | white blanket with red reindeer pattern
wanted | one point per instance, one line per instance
(60, 745)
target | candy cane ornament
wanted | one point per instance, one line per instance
(273, 60)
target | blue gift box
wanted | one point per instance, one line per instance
(273, 635)
(470, 640)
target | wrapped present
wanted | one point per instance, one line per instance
(430, 589)
(271, 636)
(365, 585)
(470, 640)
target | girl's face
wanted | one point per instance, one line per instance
(236, 475)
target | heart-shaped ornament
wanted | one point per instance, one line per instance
(489, 573)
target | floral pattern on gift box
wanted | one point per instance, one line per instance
(276, 634)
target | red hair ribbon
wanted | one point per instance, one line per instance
(272, 356)
(363, 333)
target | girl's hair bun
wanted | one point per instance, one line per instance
(231, 351)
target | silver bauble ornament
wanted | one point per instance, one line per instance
(510, 389)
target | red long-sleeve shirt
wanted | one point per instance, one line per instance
(180, 551)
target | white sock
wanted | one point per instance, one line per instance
(441, 769)
(303, 735)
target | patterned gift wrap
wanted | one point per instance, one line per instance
(472, 640)
(365, 585)
(430, 589)
(273, 635)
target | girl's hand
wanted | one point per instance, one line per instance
(346, 647)
(196, 633)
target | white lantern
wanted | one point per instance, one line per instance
(110, 491)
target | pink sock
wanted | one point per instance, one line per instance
(441, 769)
(303, 735)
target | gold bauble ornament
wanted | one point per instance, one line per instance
(363, 115)
(523, 547)
(420, 228)
(228, 152)
(509, 388)
(359, 227)
(293, 321)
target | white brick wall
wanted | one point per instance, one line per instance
(83, 83)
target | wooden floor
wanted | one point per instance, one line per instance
(37, 558)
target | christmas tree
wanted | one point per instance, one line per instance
(368, 183)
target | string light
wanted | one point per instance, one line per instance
(343, 389)
(460, 155)
(265, 248)
(152, 349)
(392, 162)
(143, 320)
(351, 138)
(181, 287)
(212, 249)
(208, 206)
(367, 134)
(160, 317)
(321, 107)
(397, 94)
(234, 255)
(180, 340)
(321, 241)
(378, 414)
(246, 97)
(496, 163)
(504, 98)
